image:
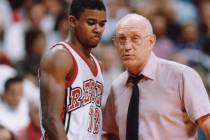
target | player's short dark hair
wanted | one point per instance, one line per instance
(78, 6)
(12, 80)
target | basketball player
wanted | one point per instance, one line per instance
(71, 80)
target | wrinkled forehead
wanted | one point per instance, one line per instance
(130, 29)
(133, 23)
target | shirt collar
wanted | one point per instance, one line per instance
(149, 69)
(151, 66)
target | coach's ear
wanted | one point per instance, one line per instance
(72, 21)
(152, 41)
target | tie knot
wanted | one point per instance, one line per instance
(136, 79)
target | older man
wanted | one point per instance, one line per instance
(154, 99)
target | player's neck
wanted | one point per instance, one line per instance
(80, 48)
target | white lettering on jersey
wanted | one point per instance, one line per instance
(92, 91)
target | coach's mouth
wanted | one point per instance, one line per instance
(126, 57)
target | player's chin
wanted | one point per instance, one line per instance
(95, 40)
(93, 44)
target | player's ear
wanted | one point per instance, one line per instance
(72, 21)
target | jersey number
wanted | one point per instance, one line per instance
(94, 120)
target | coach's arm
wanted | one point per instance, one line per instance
(53, 70)
(204, 123)
(110, 127)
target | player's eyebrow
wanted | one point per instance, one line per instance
(93, 19)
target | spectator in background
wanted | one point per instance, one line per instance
(145, 7)
(35, 44)
(2, 28)
(189, 36)
(35, 15)
(6, 134)
(117, 9)
(4, 59)
(165, 8)
(204, 26)
(164, 46)
(13, 36)
(14, 42)
(189, 45)
(168, 11)
(185, 11)
(32, 131)
(206, 47)
(53, 9)
(13, 107)
(6, 72)
(111, 70)
(61, 30)
(5, 14)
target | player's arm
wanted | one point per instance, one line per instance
(204, 123)
(54, 67)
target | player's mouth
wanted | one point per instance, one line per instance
(97, 37)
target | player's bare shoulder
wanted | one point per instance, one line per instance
(57, 60)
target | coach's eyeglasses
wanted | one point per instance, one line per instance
(134, 39)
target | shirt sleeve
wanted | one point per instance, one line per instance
(109, 114)
(195, 97)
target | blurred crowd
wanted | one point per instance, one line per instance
(29, 27)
